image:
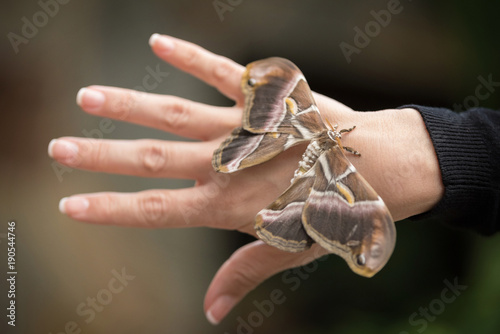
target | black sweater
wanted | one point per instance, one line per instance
(467, 145)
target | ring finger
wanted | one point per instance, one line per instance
(144, 157)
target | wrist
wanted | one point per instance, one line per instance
(415, 164)
(397, 156)
(410, 173)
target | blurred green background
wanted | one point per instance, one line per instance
(431, 53)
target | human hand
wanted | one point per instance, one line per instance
(398, 160)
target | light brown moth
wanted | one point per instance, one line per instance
(328, 201)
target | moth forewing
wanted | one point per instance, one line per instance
(276, 93)
(266, 84)
(232, 151)
(279, 113)
(244, 149)
(345, 215)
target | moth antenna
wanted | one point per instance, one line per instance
(330, 125)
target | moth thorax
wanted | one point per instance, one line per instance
(334, 134)
(313, 151)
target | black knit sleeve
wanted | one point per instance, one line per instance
(467, 145)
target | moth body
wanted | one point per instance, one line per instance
(324, 141)
(313, 151)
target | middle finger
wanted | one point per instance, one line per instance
(168, 113)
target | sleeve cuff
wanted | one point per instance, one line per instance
(466, 170)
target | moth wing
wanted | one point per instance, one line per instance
(280, 112)
(243, 149)
(279, 100)
(280, 224)
(346, 216)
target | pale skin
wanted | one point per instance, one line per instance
(397, 159)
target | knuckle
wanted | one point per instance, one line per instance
(177, 114)
(191, 57)
(93, 152)
(152, 208)
(223, 68)
(75, 157)
(245, 276)
(124, 106)
(153, 157)
(108, 207)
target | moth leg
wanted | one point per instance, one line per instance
(347, 148)
(352, 151)
(347, 130)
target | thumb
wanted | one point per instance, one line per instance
(244, 270)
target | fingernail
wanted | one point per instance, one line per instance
(90, 99)
(152, 39)
(162, 43)
(64, 151)
(51, 147)
(219, 309)
(73, 205)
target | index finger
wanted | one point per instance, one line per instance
(217, 71)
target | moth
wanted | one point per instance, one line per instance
(328, 201)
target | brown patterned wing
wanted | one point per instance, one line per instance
(346, 216)
(280, 224)
(278, 99)
(279, 113)
(245, 149)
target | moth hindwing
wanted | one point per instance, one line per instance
(328, 201)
